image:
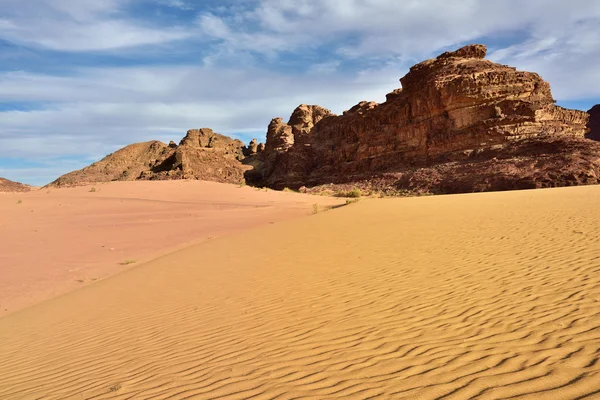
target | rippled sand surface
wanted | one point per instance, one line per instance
(486, 296)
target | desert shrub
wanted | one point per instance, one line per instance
(354, 193)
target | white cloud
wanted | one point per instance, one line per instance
(345, 50)
(103, 109)
(178, 4)
(382, 27)
(568, 59)
(75, 25)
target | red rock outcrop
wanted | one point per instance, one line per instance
(459, 123)
(202, 154)
(594, 123)
(11, 186)
(450, 110)
(303, 120)
(280, 136)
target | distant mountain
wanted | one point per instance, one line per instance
(202, 154)
(10, 186)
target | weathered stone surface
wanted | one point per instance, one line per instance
(448, 108)
(280, 136)
(201, 154)
(11, 186)
(304, 118)
(594, 123)
(125, 164)
(205, 138)
(252, 148)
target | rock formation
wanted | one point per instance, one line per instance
(451, 113)
(303, 120)
(280, 136)
(10, 186)
(594, 123)
(252, 147)
(459, 123)
(201, 154)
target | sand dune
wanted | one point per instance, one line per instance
(487, 296)
(53, 241)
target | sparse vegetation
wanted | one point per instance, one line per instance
(315, 208)
(128, 262)
(20, 202)
(288, 190)
(93, 190)
(354, 193)
(352, 201)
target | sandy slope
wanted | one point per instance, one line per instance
(52, 241)
(472, 296)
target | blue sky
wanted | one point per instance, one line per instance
(80, 79)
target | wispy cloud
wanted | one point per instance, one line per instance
(73, 25)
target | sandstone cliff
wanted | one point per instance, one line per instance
(453, 115)
(594, 123)
(201, 154)
(460, 123)
(10, 186)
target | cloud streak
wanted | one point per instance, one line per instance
(80, 26)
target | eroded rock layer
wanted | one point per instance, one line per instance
(451, 109)
(201, 154)
(11, 186)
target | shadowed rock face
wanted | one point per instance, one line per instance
(10, 186)
(594, 123)
(449, 109)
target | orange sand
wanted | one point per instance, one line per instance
(56, 240)
(473, 296)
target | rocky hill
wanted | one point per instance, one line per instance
(460, 123)
(201, 154)
(10, 186)
(594, 123)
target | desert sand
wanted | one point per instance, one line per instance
(56, 240)
(493, 295)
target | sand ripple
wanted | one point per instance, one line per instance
(474, 296)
